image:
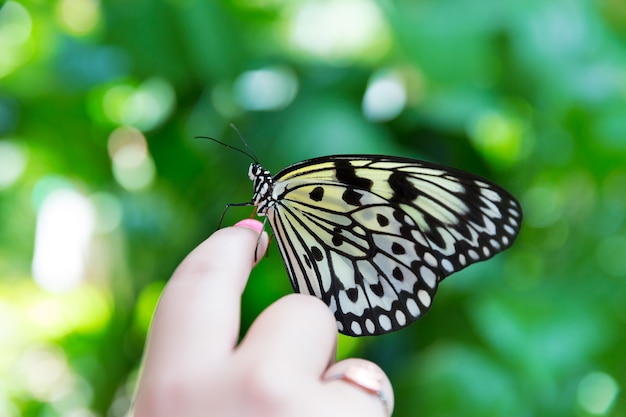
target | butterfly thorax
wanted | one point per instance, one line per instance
(263, 187)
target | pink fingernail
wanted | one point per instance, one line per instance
(255, 225)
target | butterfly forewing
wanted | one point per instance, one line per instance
(372, 236)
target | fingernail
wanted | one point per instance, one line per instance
(366, 376)
(255, 225)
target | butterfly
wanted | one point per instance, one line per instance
(373, 236)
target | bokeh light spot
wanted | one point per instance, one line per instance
(223, 99)
(339, 29)
(41, 315)
(65, 224)
(15, 31)
(385, 97)
(13, 159)
(596, 392)
(266, 89)
(45, 186)
(114, 101)
(133, 167)
(15, 24)
(144, 107)
(78, 17)
(44, 373)
(498, 137)
(150, 105)
(108, 211)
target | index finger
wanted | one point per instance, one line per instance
(197, 320)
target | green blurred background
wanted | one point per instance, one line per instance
(103, 188)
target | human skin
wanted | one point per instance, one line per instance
(284, 366)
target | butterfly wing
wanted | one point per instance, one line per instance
(372, 236)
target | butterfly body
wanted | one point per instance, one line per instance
(372, 236)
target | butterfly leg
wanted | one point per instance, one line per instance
(258, 242)
(229, 205)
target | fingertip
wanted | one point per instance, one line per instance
(253, 224)
(227, 243)
(313, 310)
(204, 293)
(262, 237)
(303, 333)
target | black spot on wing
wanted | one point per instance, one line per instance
(403, 190)
(352, 197)
(397, 249)
(317, 194)
(346, 174)
(317, 253)
(397, 274)
(377, 289)
(399, 215)
(337, 238)
(382, 220)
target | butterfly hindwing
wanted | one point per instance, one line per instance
(372, 236)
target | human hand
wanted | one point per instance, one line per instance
(284, 366)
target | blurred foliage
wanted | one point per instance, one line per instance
(103, 188)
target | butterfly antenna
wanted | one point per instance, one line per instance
(249, 154)
(245, 144)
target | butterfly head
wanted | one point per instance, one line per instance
(263, 187)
